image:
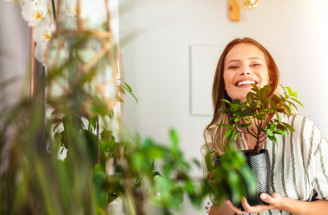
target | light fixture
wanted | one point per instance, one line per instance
(250, 4)
(234, 8)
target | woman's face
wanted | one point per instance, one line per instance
(244, 65)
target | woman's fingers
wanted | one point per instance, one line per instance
(274, 199)
(252, 209)
(233, 208)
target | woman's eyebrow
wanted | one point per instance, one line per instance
(233, 60)
(237, 60)
(252, 58)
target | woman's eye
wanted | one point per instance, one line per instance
(233, 67)
(255, 64)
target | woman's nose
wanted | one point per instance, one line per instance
(245, 70)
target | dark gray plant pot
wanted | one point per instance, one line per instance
(260, 167)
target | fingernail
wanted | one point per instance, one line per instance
(264, 196)
(243, 199)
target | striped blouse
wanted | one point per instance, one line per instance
(299, 163)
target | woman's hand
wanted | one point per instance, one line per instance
(275, 202)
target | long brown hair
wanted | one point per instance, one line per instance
(214, 135)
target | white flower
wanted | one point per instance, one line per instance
(43, 31)
(40, 51)
(34, 11)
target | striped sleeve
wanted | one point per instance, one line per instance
(321, 167)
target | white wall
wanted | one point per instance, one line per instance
(14, 49)
(156, 36)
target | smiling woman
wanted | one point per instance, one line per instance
(244, 65)
(299, 169)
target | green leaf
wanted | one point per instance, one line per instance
(196, 162)
(137, 163)
(287, 109)
(285, 91)
(236, 101)
(249, 179)
(249, 98)
(255, 88)
(276, 98)
(253, 106)
(229, 132)
(291, 92)
(295, 100)
(224, 125)
(111, 197)
(226, 101)
(247, 112)
(127, 88)
(208, 161)
(174, 139)
(288, 126)
(279, 131)
(272, 126)
(152, 150)
(225, 110)
(265, 91)
(234, 135)
(245, 125)
(234, 107)
(269, 132)
(273, 138)
(233, 181)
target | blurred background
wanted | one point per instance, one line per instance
(169, 53)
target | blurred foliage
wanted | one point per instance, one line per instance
(102, 161)
(230, 176)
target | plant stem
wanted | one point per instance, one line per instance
(248, 131)
(257, 146)
(263, 135)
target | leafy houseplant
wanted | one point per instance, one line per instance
(248, 118)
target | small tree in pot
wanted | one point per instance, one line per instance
(249, 117)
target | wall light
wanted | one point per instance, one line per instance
(250, 4)
(234, 7)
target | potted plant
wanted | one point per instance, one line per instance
(248, 118)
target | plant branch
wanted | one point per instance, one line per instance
(262, 139)
(248, 131)
(263, 135)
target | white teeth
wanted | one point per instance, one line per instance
(245, 82)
